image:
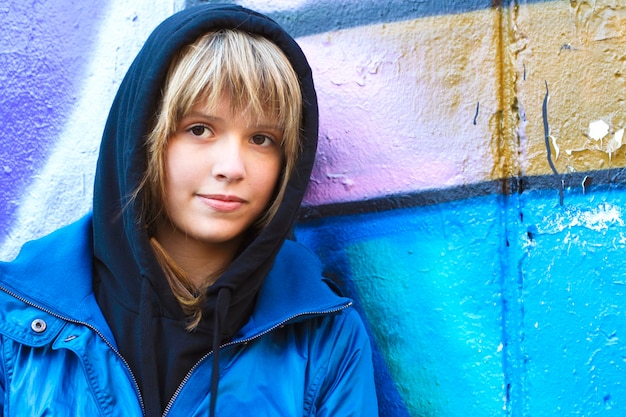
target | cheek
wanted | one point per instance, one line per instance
(179, 167)
(176, 183)
(268, 185)
(270, 177)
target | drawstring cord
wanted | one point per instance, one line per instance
(149, 375)
(221, 311)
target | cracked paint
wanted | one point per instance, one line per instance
(581, 55)
(598, 129)
(599, 218)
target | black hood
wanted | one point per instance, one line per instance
(130, 286)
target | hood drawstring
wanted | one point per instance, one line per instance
(149, 377)
(221, 312)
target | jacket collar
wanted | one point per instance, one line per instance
(54, 274)
(293, 290)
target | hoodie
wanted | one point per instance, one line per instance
(130, 287)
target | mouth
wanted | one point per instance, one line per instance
(222, 203)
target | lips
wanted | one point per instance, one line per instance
(222, 203)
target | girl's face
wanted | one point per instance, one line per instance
(221, 171)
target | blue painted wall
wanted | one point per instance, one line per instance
(493, 305)
(431, 296)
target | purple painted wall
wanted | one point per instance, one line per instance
(63, 64)
(44, 52)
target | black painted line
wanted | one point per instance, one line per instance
(584, 181)
(546, 129)
(546, 133)
(476, 114)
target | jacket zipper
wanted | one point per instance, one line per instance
(47, 311)
(247, 340)
(191, 371)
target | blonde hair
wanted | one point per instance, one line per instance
(259, 79)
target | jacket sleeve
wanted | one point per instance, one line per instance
(347, 388)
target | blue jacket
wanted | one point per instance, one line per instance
(304, 351)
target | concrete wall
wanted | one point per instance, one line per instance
(469, 190)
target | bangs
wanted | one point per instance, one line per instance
(250, 69)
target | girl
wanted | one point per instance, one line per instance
(180, 295)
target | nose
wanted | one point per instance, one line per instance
(229, 164)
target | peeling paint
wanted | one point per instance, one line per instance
(597, 133)
(581, 55)
(615, 143)
(598, 129)
(600, 218)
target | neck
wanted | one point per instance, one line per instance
(201, 262)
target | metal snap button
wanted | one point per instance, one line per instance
(38, 326)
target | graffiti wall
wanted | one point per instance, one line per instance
(469, 190)
(60, 66)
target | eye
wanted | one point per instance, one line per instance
(262, 140)
(199, 130)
